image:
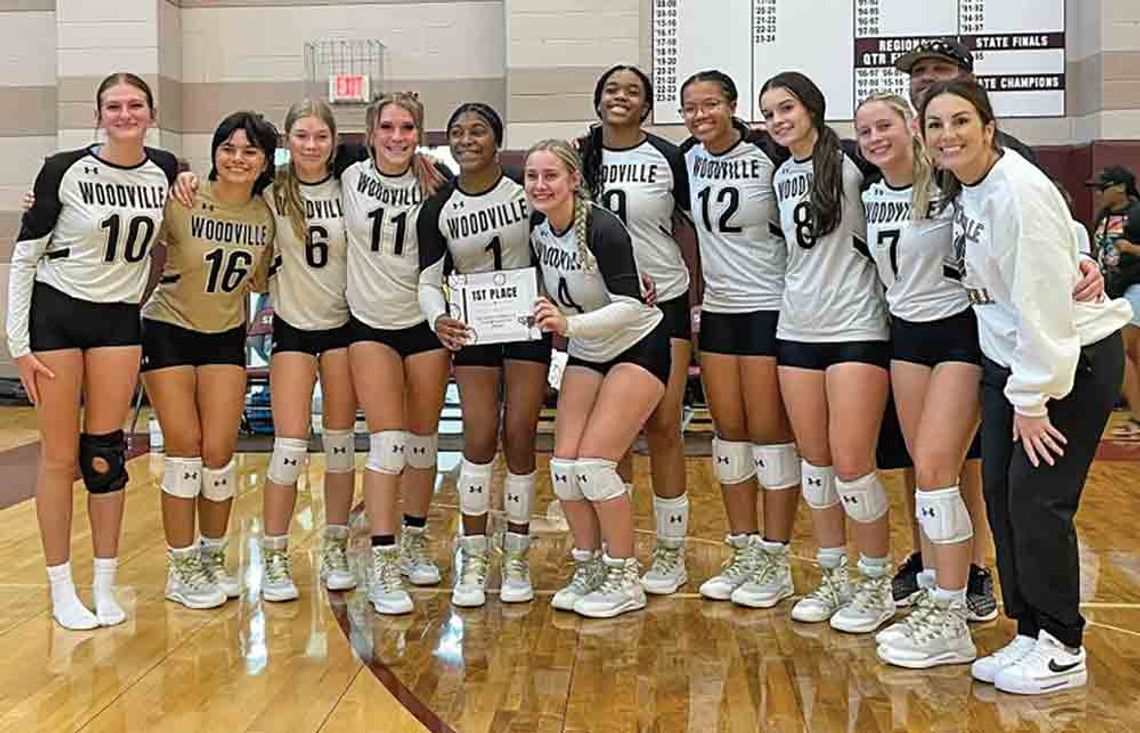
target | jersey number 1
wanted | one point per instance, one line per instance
(139, 231)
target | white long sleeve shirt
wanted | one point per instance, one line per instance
(1019, 253)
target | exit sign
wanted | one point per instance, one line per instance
(348, 88)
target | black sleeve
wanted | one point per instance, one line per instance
(609, 241)
(676, 160)
(39, 221)
(687, 144)
(776, 153)
(166, 161)
(851, 150)
(1009, 141)
(444, 171)
(345, 155)
(1132, 226)
(513, 172)
(431, 242)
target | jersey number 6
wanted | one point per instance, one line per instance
(317, 247)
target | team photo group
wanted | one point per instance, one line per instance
(926, 275)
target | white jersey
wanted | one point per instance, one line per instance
(605, 311)
(1019, 260)
(914, 256)
(383, 258)
(832, 293)
(90, 232)
(644, 185)
(309, 273)
(469, 233)
(734, 212)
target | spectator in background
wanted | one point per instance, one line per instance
(1116, 241)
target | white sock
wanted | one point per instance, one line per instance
(68, 610)
(213, 544)
(107, 609)
(945, 597)
(336, 531)
(278, 542)
(831, 557)
(926, 579)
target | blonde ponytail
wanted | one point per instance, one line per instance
(923, 165)
(287, 197)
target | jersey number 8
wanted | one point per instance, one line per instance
(805, 233)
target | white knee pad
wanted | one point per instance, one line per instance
(420, 450)
(386, 452)
(943, 516)
(598, 479)
(219, 484)
(287, 461)
(340, 451)
(563, 480)
(474, 487)
(518, 495)
(182, 477)
(819, 486)
(864, 499)
(732, 461)
(777, 466)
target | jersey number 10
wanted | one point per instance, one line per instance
(140, 229)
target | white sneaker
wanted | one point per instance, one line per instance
(588, 575)
(667, 569)
(516, 586)
(940, 636)
(735, 570)
(213, 555)
(415, 562)
(386, 591)
(987, 668)
(277, 578)
(619, 593)
(832, 594)
(471, 572)
(770, 581)
(871, 606)
(189, 583)
(921, 604)
(335, 570)
(1048, 667)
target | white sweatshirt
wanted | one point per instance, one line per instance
(1020, 264)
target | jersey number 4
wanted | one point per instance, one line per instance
(401, 222)
(733, 197)
(227, 273)
(140, 230)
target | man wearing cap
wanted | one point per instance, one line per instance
(1116, 238)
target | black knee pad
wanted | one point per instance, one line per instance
(112, 449)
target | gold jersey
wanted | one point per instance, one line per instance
(216, 254)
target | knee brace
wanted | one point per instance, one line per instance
(518, 495)
(563, 480)
(386, 452)
(777, 466)
(672, 517)
(287, 461)
(340, 451)
(864, 499)
(103, 461)
(598, 479)
(943, 516)
(819, 486)
(732, 461)
(474, 487)
(420, 450)
(219, 484)
(182, 477)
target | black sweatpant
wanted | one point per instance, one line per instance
(1031, 509)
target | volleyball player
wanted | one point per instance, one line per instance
(77, 274)
(615, 377)
(935, 373)
(479, 223)
(833, 354)
(194, 351)
(641, 178)
(1051, 374)
(399, 367)
(742, 259)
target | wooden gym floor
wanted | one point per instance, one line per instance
(327, 663)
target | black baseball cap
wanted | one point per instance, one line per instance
(1113, 175)
(948, 49)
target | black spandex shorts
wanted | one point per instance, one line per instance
(405, 341)
(493, 355)
(652, 353)
(166, 345)
(934, 342)
(59, 321)
(739, 334)
(678, 316)
(821, 355)
(288, 338)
